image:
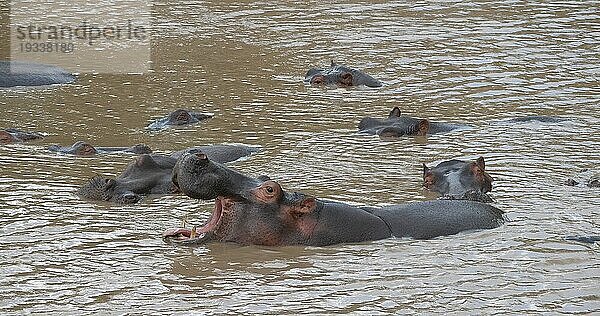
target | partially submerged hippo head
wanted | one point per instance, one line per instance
(79, 148)
(179, 117)
(7, 138)
(338, 75)
(107, 189)
(403, 125)
(85, 149)
(145, 175)
(11, 135)
(458, 178)
(395, 125)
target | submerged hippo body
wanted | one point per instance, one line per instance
(256, 211)
(26, 74)
(152, 174)
(81, 148)
(178, 118)
(338, 75)
(397, 125)
(11, 135)
(458, 179)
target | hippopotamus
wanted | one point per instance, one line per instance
(338, 75)
(11, 135)
(458, 179)
(259, 211)
(152, 174)
(27, 74)
(179, 117)
(397, 125)
(591, 179)
(81, 148)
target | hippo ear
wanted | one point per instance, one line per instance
(480, 163)
(426, 170)
(306, 206)
(395, 112)
(423, 127)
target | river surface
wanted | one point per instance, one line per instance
(477, 63)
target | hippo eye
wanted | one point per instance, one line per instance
(270, 189)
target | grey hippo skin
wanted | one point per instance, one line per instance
(584, 239)
(259, 212)
(458, 179)
(339, 75)
(396, 125)
(178, 118)
(152, 174)
(81, 148)
(26, 74)
(11, 135)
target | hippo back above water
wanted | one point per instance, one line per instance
(339, 75)
(27, 74)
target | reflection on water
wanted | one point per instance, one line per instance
(465, 62)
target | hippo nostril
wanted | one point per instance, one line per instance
(130, 198)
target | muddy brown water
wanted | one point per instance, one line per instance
(469, 62)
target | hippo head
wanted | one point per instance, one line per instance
(338, 75)
(247, 210)
(140, 149)
(181, 117)
(267, 216)
(80, 148)
(400, 125)
(106, 189)
(7, 138)
(200, 178)
(143, 175)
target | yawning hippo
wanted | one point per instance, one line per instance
(256, 211)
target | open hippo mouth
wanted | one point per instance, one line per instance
(197, 235)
